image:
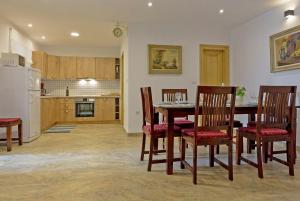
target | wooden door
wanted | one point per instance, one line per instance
(40, 61)
(67, 68)
(86, 67)
(214, 65)
(105, 69)
(53, 68)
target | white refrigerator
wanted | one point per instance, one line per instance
(20, 97)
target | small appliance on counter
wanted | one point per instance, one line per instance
(43, 90)
(12, 60)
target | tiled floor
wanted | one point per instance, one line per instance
(100, 162)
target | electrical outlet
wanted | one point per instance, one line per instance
(137, 112)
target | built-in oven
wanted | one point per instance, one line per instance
(85, 107)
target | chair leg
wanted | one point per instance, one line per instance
(163, 143)
(259, 160)
(218, 149)
(195, 164)
(230, 165)
(265, 146)
(20, 134)
(290, 158)
(151, 153)
(143, 146)
(8, 138)
(249, 146)
(271, 151)
(239, 147)
(211, 155)
(183, 148)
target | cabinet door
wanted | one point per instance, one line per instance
(53, 67)
(44, 115)
(66, 110)
(40, 61)
(105, 109)
(86, 67)
(67, 68)
(105, 69)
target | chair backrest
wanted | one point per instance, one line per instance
(212, 104)
(276, 106)
(168, 95)
(148, 113)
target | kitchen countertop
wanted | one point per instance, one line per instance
(83, 96)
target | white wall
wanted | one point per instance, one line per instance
(21, 43)
(124, 51)
(189, 36)
(251, 52)
(82, 51)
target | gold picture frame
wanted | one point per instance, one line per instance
(165, 59)
(285, 50)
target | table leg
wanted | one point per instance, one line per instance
(250, 143)
(170, 143)
(8, 138)
(295, 137)
(20, 133)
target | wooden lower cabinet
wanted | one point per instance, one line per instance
(48, 113)
(62, 110)
(105, 109)
(66, 110)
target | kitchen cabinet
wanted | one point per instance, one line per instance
(40, 61)
(105, 109)
(67, 68)
(105, 69)
(53, 68)
(48, 113)
(66, 110)
(86, 67)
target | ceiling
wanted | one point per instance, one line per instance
(95, 19)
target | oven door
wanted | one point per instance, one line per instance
(85, 109)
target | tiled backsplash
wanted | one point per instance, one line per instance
(81, 87)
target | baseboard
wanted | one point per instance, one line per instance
(134, 134)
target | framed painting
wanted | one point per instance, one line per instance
(165, 59)
(285, 50)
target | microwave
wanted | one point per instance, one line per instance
(10, 59)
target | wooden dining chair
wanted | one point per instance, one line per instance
(213, 130)
(151, 129)
(169, 95)
(275, 123)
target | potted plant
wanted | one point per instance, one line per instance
(240, 94)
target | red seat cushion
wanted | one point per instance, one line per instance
(265, 131)
(184, 123)
(159, 129)
(9, 120)
(204, 134)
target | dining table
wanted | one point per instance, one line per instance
(173, 110)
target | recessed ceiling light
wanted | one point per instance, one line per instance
(75, 34)
(150, 4)
(221, 11)
(30, 25)
(43, 37)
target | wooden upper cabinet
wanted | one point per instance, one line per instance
(67, 68)
(40, 61)
(53, 68)
(86, 67)
(105, 69)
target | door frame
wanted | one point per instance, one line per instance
(122, 89)
(224, 48)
